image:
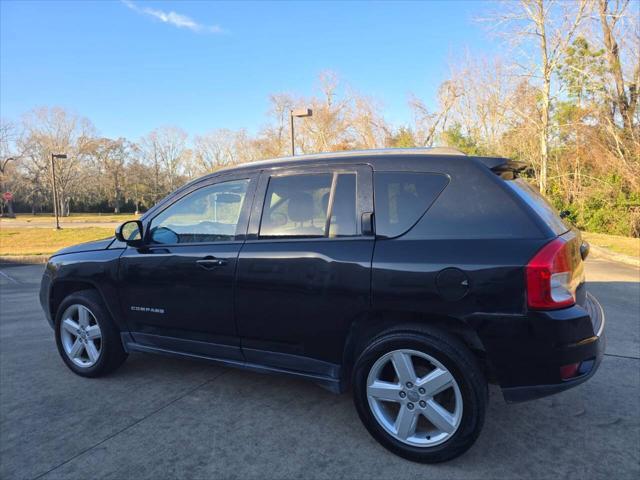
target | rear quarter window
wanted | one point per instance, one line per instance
(402, 198)
(534, 199)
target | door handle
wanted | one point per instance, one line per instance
(209, 263)
(367, 224)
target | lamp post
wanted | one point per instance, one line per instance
(300, 112)
(53, 184)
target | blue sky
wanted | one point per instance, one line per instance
(131, 66)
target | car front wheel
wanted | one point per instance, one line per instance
(421, 394)
(86, 337)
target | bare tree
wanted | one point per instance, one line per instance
(165, 150)
(140, 180)
(215, 150)
(110, 158)
(274, 139)
(328, 129)
(485, 106)
(150, 148)
(566, 103)
(368, 126)
(548, 26)
(173, 153)
(10, 154)
(626, 91)
(428, 123)
(54, 131)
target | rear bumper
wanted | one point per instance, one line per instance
(526, 352)
(588, 352)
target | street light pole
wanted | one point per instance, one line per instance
(293, 136)
(300, 112)
(53, 184)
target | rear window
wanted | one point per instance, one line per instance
(402, 198)
(539, 204)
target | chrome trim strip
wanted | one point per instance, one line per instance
(601, 311)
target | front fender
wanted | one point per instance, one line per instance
(65, 274)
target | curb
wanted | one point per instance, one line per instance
(600, 252)
(23, 259)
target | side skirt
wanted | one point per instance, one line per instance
(331, 383)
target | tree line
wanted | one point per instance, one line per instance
(563, 98)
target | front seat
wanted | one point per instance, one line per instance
(300, 209)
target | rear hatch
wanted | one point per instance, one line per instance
(572, 252)
(508, 170)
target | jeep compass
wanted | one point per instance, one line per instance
(413, 278)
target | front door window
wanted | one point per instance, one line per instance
(209, 214)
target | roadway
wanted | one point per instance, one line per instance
(159, 417)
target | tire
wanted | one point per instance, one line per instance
(454, 365)
(107, 353)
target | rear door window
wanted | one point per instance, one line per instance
(310, 206)
(402, 198)
(539, 204)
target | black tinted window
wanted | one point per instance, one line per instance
(537, 202)
(209, 214)
(298, 205)
(402, 198)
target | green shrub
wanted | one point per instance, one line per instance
(602, 212)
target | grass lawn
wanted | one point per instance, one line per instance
(24, 240)
(44, 241)
(45, 218)
(625, 245)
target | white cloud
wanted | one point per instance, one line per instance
(173, 18)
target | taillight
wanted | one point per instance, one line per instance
(550, 277)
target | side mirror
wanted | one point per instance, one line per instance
(130, 232)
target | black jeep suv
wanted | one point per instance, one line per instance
(413, 277)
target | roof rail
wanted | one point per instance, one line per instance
(375, 152)
(444, 151)
(417, 151)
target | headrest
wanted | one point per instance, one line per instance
(325, 202)
(300, 207)
(405, 202)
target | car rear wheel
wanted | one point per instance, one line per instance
(421, 394)
(86, 337)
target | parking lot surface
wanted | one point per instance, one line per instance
(159, 417)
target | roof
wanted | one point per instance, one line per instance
(490, 162)
(379, 151)
(348, 154)
(493, 163)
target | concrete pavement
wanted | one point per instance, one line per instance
(158, 417)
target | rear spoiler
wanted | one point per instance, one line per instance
(503, 167)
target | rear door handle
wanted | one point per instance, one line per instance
(209, 263)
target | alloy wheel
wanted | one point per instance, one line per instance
(81, 336)
(414, 397)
